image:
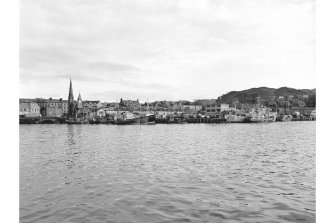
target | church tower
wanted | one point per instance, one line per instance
(71, 111)
(79, 102)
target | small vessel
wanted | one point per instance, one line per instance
(125, 118)
(162, 119)
(145, 119)
(235, 117)
(149, 119)
(28, 120)
(285, 118)
(259, 115)
(48, 121)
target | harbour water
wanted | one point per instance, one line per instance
(168, 173)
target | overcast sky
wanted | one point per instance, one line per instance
(164, 49)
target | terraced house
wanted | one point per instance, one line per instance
(52, 107)
(29, 108)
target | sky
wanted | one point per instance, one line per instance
(164, 49)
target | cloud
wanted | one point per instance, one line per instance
(185, 48)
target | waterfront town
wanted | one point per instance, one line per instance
(71, 111)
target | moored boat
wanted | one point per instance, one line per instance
(28, 120)
(260, 115)
(145, 119)
(235, 117)
(125, 118)
(285, 118)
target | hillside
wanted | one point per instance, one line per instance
(249, 95)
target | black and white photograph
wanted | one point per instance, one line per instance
(152, 111)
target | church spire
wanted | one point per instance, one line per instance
(79, 102)
(79, 97)
(71, 111)
(70, 90)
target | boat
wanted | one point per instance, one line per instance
(285, 118)
(260, 115)
(29, 120)
(162, 119)
(125, 118)
(235, 117)
(145, 119)
(148, 119)
(48, 121)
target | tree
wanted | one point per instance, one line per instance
(311, 102)
(121, 103)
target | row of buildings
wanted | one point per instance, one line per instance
(40, 107)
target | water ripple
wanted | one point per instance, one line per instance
(168, 173)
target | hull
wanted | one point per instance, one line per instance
(146, 120)
(162, 121)
(262, 117)
(49, 121)
(177, 121)
(236, 119)
(29, 120)
(125, 121)
(285, 118)
(74, 122)
(260, 120)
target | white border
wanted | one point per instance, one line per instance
(325, 150)
(9, 79)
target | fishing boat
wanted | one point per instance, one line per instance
(235, 117)
(260, 115)
(162, 119)
(145, 119)
(125, 118)
(28, 120)
(149, 119)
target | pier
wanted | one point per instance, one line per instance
(206, 120)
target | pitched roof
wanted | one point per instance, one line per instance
(94, 102)
(26, 100)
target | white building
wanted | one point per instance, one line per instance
(103, 112)
(191, 108)
(29, 109)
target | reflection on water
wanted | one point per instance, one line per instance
(168, 173)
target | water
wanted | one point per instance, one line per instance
(168, 173)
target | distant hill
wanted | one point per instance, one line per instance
(249, 95)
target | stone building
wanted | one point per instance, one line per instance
(54, 111)
(29, 108)
(92, 107)
(59, 105)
